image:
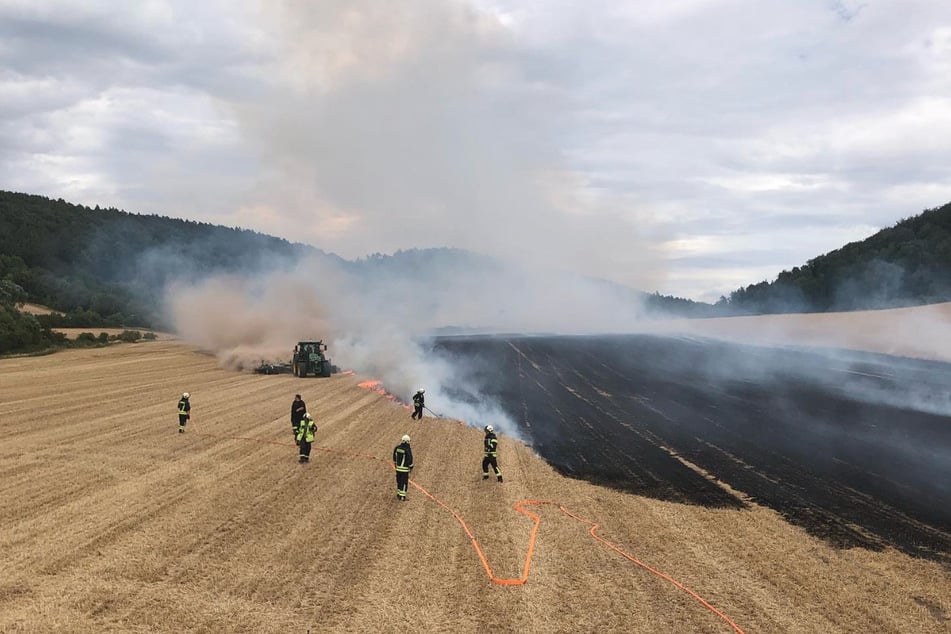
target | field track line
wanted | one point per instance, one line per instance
(520, 508)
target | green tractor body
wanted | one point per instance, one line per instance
(309, 359)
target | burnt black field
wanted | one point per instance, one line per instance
(853, 447)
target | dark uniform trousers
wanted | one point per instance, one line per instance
(492, 461)
(490, 457)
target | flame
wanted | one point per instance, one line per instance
(377, 387)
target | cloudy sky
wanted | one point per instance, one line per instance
(686, 146)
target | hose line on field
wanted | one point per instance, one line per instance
(520, 507)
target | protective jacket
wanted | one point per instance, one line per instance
(306, 429)
(490, 443)
(403, 457)
(184, 407)
(298, 408)
(418, 399)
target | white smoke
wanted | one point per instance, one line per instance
(380, 324)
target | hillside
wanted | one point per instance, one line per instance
(109, 267)
(105, 268)
(113, 522)
(907, 264)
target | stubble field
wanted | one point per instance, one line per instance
(114, 522)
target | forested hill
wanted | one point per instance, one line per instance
(109, 267)
(106, 267)
(904, 265)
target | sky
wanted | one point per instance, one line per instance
(684, 146)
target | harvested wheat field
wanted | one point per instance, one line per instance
(72, 333)
(35, 309)
(114, 522)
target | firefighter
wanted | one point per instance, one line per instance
(403, 463)
(305, 435)
(184, 412)
(419, 402)
(490, 446)
(298, 408)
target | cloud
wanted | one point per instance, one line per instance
(586, 135)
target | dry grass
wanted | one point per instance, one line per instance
(113, 522)
(72, 333)
(35, 309)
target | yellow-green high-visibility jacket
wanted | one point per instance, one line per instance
(306, 429)
(403, 457)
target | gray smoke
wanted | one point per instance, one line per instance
(378, 318)
(427, 125)
(422, 124)
(415, 126)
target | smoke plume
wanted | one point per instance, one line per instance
(378, 319)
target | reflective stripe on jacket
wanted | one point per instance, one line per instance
(491, 444)
(306, 429)
(403, 457)
(184, 406)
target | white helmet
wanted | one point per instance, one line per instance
(184, 394)
(489, 428)
(405, 438)
(420, 391)
(307, 415)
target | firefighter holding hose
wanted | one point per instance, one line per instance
(419, 402)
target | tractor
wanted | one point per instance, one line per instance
(309, 358)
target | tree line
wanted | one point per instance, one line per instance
(102, 268)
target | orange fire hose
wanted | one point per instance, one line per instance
(520, 507)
